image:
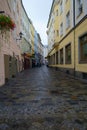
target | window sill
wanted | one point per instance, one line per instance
(61, 35)
(68, 63)
(61, 13)
(82, 62)
(67, 28)
(79, 14)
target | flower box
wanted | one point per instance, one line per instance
(6, 23)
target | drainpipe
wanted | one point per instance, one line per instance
(74, 34)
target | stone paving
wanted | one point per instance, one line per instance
(43, 99)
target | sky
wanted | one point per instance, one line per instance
(38, 11)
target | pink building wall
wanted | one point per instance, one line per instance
(8, 44)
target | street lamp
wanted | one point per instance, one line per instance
(20, 36)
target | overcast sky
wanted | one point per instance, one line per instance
(38, 11)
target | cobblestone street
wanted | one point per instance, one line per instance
(43, 99)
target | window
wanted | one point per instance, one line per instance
(61, 29)
(61, 7)
(57, 32)
(83, 48)
(57, 12)
(68, 54)
(57, 57)
(61, 56)
(9, 4)
(68, 20)
(17, 9)
(50, 60)
(80, 7)
(53, 59)
(66, 0)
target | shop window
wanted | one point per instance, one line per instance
(54, 59)
(51, 60)
(57, 57)
(84, 75)
(61, 56)
(83, 49)
(68, 54)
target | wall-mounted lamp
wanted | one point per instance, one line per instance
(20, 36)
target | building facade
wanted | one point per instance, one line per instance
(25, 41)
(40, 51)
(10, 58)
(36, 49)
(81, 38)
(17, 44)
(69, 25)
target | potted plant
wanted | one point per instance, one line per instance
(6, 23)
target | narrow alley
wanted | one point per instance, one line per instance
(43, 99)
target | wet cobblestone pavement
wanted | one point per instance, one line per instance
(43, 99)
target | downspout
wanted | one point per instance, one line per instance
(74, 34)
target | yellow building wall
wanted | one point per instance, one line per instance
(60, 21)
(48, 31)
(72, 37)
(67, 9)
(65, 42)
(67, 6)
(79, 31)
(56, 23)
(32, 37)
(52, 52)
